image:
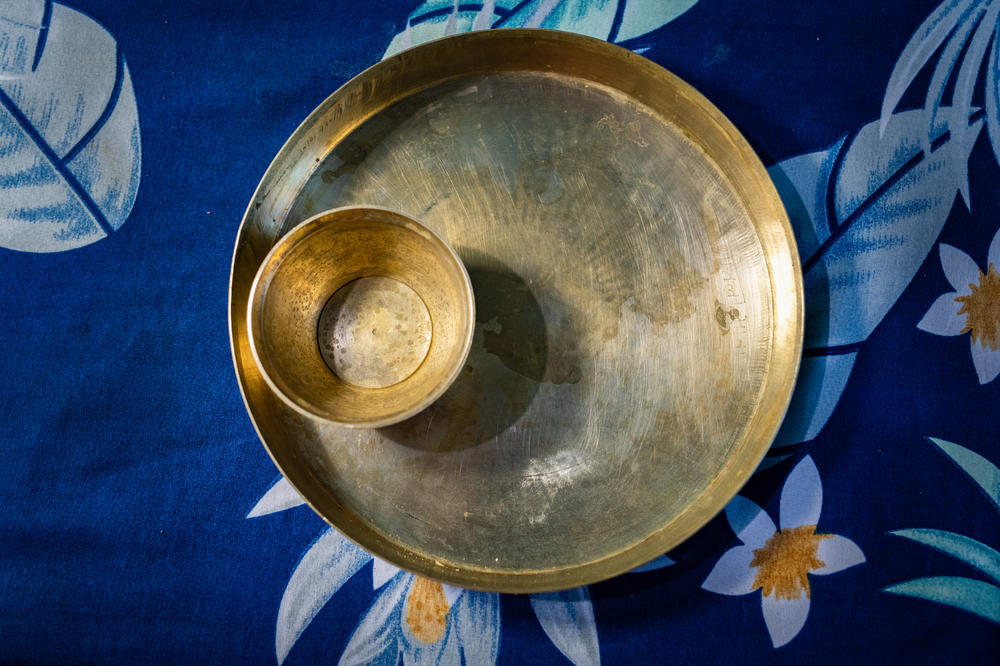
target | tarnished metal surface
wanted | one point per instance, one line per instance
(376, 292)
(374, 332)
(638, 300)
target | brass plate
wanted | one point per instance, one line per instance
(638, 298)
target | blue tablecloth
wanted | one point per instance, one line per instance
(142, 520)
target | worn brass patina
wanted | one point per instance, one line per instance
(361, 317)
(638, 305)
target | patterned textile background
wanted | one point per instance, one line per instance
(143, 521)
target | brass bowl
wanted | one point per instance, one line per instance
(361, 317)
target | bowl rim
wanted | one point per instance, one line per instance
(316, 223)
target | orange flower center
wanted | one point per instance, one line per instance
(785, 559)
(982, 309)
(427, 610)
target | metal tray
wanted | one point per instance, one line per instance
(638, 296)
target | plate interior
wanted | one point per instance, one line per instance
(624, 323)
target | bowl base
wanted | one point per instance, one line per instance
(374, 332)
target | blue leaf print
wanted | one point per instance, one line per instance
(568, 620)
(803, 184)
(771, 460)
(821, 381)
(973, 596)
(69, 130)
(967, 549)
(985, 474)
(944, 68)
(439, 18)
(925, 42)
(21, 32)
(587, 17)
(643, 16)
(478, 625)
(280, 497)
(865, 212)
(968, 594)
(992, 94)
(889, 204)
(968, 73)
(654, 564)
(613, 20)
(965, 28)
(323, 570)
(376, 640)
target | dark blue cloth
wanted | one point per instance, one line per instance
(128, 463)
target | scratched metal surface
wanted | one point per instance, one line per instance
(636, 332)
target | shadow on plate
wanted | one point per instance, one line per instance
(506, 365)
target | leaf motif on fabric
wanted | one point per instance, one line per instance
(23, 26)
(927, 39)
(967, 594)
(654, 564)
(985, 474)
(614, 20)
(770, 461)
(568, 620)
(279, 497)
(439, 18)
(961, 32)
(992, 95)
(328, 563)
(594, 18)
(822, 380)
(643, 16)
(70, 152)
(890, 203)
(945, 66)
(478, 625)
(965, 82)
(377, 637)
(974, 553)
(803, 183)
(866, 212)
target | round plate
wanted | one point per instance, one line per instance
(638, 304)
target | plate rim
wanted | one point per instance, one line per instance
(787, 302)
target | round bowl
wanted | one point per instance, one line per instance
(361, 317)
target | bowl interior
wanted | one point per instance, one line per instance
(361, 317)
